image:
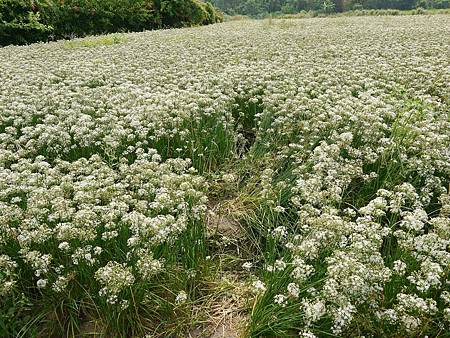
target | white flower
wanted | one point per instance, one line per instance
(97, 250)
(280, 265)
(258, 286)
(16, 199)
(280, 300)
(114, 277)
(279, 232)
(447, 314)
(399, 267)
(41, 283)
(313, 310)
(181, 297)
(279, 209)
(60, 284)
(229, 178)
(342, 317)
(307, 334)
(64, 246)
(293, 290)
(247, 266)
(124, 304)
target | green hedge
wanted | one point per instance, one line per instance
(26, 21)
(20, 23)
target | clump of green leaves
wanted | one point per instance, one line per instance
(26, 21)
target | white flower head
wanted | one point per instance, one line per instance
(280, 300)
(247, 266)
(258, 287)
(181, 297)
(41, 283)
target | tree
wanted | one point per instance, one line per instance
(338, 5)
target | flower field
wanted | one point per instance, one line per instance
(322, 144)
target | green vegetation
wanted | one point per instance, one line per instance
(107, 40)
(25, 21)
(261, 8)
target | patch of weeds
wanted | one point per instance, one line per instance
(108, 40)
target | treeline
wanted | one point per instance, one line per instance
(264, 7)
(25, 21)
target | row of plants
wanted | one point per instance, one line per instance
(26, 21)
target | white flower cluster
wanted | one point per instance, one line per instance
(67, 219)
(7, 266)
(114, 277)
(181, 297)
(359, 274)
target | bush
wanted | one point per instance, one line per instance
(25, 21)
(178, 13)
(20, 24)
(419, 11)
(82, 17)
(213, 15)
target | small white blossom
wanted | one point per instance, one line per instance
(181, 297)
(280, 300)
(41, 283)
(258, 286)
(247, 266)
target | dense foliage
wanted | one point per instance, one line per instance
(327, 140)
(263, 7)
(23, 21)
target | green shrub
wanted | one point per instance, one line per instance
(213, 15)
(25, 21)
(81, 17)
(178, 13)
(20, 24)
